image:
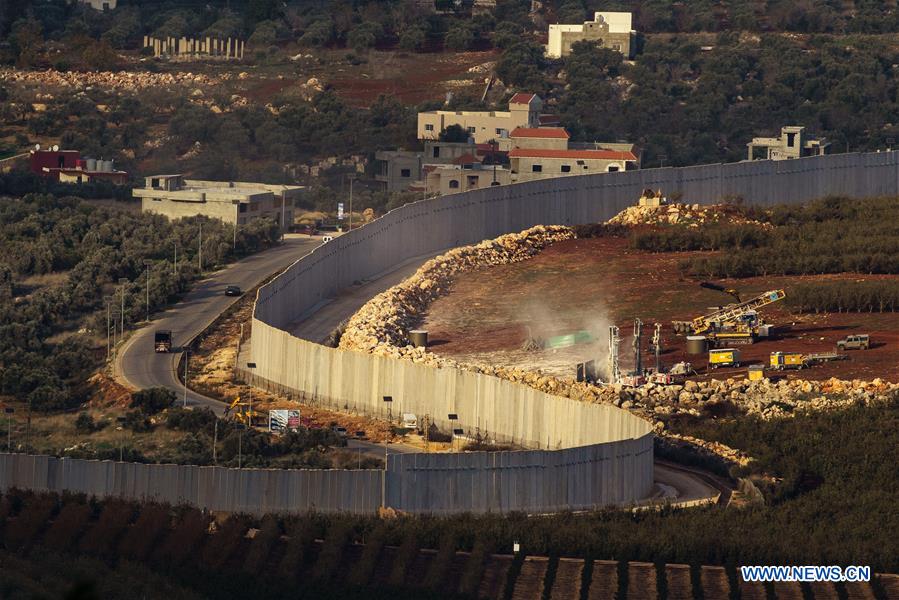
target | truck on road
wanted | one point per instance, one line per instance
(162, 340)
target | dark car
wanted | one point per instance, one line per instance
(233, 290)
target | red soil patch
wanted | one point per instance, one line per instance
(589, 283)
(410, 78)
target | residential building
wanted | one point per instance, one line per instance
(234, 202)
(793, 142)
(540, 138)
(455, 178)
(530, 164)
(397, 169)
(67, 166)
(101, 5)
(483, 126)
(607, 30)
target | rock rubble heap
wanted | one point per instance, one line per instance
(113, 80)
(382, 325)
(692, 215)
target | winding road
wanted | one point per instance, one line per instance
(139, 366)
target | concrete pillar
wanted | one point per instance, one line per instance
(750, 147)
(242, 44)
(146, 41)
(228, 49)
(208, 45)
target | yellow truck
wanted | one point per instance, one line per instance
(724, 357)
(787, 360)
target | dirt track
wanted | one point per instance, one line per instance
(590, 283)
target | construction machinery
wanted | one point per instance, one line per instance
(796, 360)
(243, 412)
(738, 323)
(724, 357)
(787, 360)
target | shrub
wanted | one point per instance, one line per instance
(140, 539)
(67, 525)
(153, 400)
(195, 420)
(406, 554)
(24, 529)
(261, 546)
(184, 539)
(299, 537)
(102, 538)
(85, 423)
(221, 546)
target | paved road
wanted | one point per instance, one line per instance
(318, 324)
(138, 366)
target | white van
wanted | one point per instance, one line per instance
(410, 421)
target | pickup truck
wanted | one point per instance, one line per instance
(854, 342)
(162, 340)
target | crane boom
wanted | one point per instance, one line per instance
(734, 312)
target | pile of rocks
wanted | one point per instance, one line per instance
(692, 215)
(113, 80)
(382, 325)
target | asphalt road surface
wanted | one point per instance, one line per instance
(138, 365)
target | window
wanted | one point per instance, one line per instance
(454, 184)
(405, 173)
(616, 47)
(472, 129)
(791, 139)
(243, 208)
(613, 168)
(566, 168)
(580, 162)
(536, 168)
(472, 181)
(500, 131)
(429, 127)
(436, 151)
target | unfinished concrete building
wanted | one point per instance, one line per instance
(483, 126)
(793, 142)
(234, 202)
(611, 30)
(397, 169)
(196, 48)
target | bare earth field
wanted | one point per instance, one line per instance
(592, 283)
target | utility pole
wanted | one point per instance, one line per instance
(186, 361)
(283, 216)
(122, 282)
(638, 338)
(200, 253)
(240, 445)
(148, 263)
(351, 203)
(108, 301)
(175, 261)
(215, 439)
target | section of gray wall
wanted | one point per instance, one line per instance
(252, 491)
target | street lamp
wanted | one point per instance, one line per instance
(186, 361)
(108, 301)
(352, 179)
(236, 204)
(148, 264)
(200, 249)
(9, 412)
(250, 365)
(123, 281)
(388, 400)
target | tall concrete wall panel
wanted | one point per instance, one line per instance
(581, 478)
(508, 412)
(252, 491)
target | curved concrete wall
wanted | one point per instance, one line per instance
(353, 381)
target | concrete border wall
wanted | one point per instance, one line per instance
(506, 411)
(253, 491)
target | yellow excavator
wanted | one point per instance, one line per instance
(738, 323)
(243, 412)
